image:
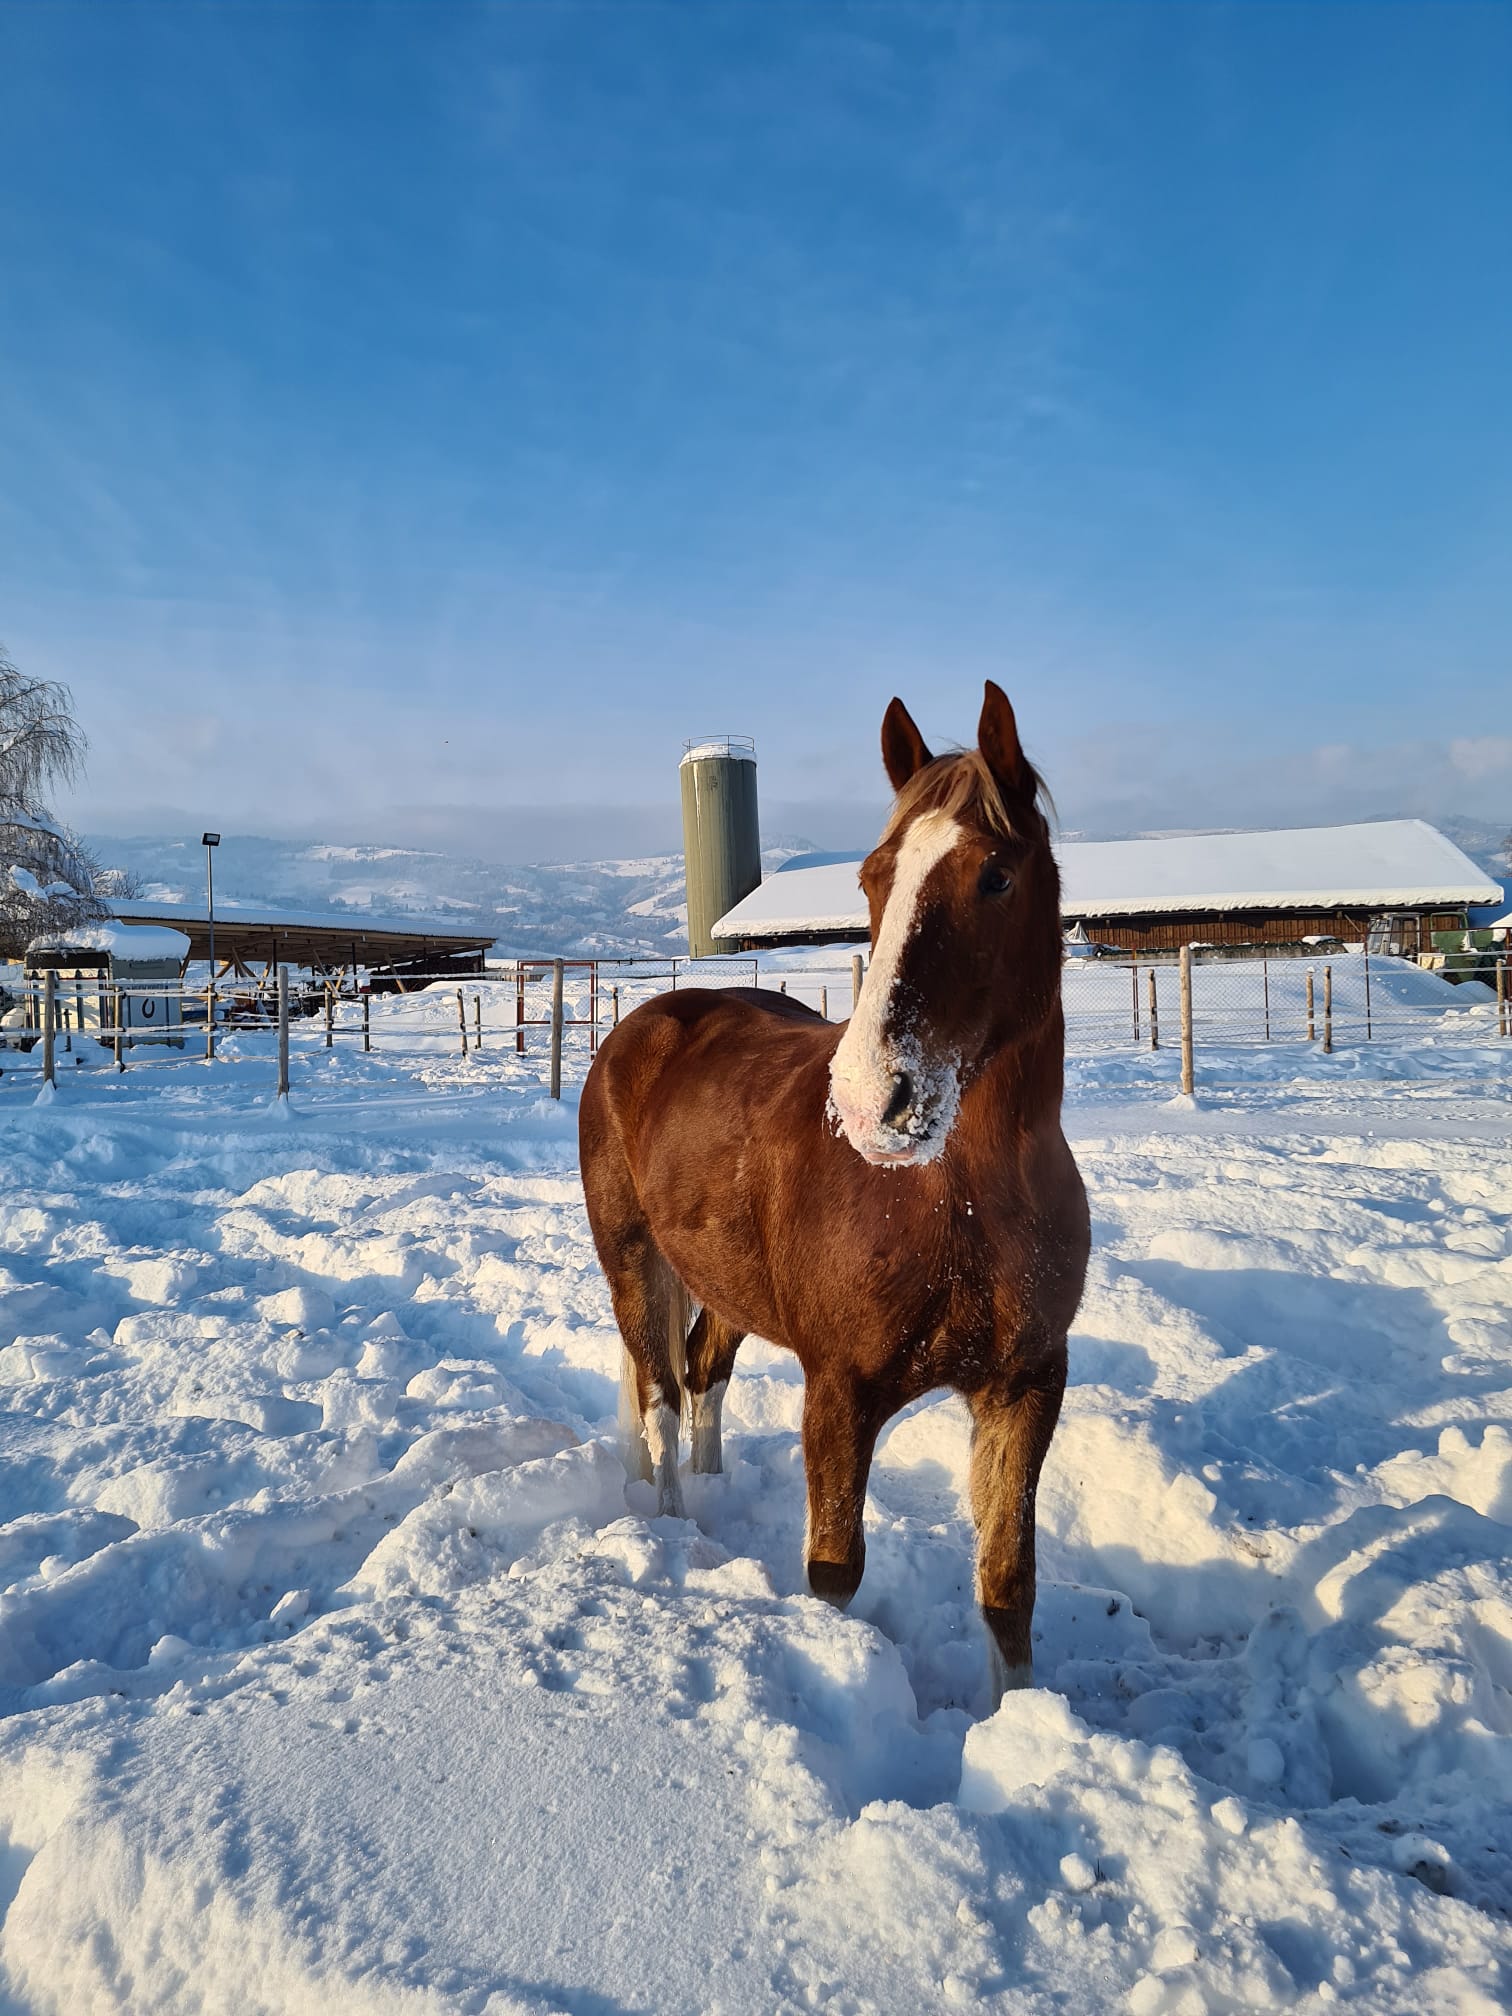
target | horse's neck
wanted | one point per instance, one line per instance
(1017, 1094)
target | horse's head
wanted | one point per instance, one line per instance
(966, 936)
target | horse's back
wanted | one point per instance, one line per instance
(729, 1008)
(719, 1028)
(698, 1045)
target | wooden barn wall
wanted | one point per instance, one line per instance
(1167, 934)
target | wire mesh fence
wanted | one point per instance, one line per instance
(64, 1020)
(543, 1009)
(1342, 996)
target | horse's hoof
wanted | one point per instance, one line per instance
(1005, 1679)
(835, 1581)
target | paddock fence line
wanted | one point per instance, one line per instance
(56, 1018)
(1190, 1002)
(1338, 996)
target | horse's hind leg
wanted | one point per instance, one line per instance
(1014, 1422)
(711, 1359)
(651, 1309)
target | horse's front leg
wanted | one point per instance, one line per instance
(839, 1435)
(1014, 1420)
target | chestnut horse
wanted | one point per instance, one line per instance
(893, 1201)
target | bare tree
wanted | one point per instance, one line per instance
(48, 879)
(119, 885)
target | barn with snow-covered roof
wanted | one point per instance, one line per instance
(1400, 877)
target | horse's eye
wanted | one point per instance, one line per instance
(996, 881)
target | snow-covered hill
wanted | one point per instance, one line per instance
(609, 907)
(604, 906)
(613, 908)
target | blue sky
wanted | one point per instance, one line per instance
(416, 420)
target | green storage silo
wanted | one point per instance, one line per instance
(721, 832)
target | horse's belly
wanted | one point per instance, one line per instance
(805, 1293)
(727, 1273)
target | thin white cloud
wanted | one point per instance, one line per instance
(1483, 758)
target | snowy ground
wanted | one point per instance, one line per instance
(340, 1670)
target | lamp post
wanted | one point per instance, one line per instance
(209, 841)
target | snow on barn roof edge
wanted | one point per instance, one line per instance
(121, 941)
(139, 912)
(1385, 864)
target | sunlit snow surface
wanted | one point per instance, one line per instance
(341, 1672)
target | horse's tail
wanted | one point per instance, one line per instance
(679, 1321)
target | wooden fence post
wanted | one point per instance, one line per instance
(519, 1009)
(855, 981)
(120, 1060)
(49, 1026)
(462, 1020)
(1311, 1027)
(330, 1015)
(1154, 1014)
(283, 1032)
(210, 1021)
(367, 1023)
(556, 1028)
(1187, 1077)
(614, 1004)
(1327, 1010)
(477, 1021)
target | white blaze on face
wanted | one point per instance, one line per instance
(883, 1038)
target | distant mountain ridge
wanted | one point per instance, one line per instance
(612, 908)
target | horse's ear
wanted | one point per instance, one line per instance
(903, 748)
(998, 740)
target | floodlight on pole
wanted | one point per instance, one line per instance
(209, 841)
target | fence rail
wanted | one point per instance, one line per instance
(1195, 1002)
(1345, 995)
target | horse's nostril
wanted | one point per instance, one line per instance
(901, 1100)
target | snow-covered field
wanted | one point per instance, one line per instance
(341, 1671)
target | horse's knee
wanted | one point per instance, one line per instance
(836, 1581)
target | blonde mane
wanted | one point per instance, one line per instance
(960, 784)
